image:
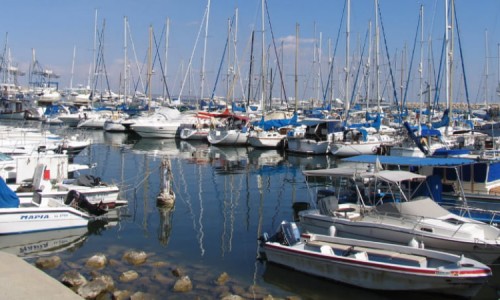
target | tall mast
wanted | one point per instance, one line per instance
(125, 60)
(72, 69)
(167, 35)
(318, 88)
(92, 70)
(487, 71)
(421, 66)
(347, 33)
(150, 63)
(377, 57)
(296, 65)
(202, 81)
(263, 56)
(368, 61)
(498, 71)
(250, 70)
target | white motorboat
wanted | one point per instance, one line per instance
(397, 214)
(42, 214)
(375, 265)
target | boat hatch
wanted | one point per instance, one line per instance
(454, 221)
(426, 229)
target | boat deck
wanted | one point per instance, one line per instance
(373, 254)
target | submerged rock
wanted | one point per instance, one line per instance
(222, 279)
(129, 276)
(92, 289)
(97, 261)
(141, 296)
(178, 272)
(73, 278)
(135, 257)
(232, 297)
(121, 295)
(50, 262)
(183, 285)
(108, 280)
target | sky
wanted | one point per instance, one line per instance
(56, 29)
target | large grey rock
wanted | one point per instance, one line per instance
(183, 285)
(73, 278)
(50, 262)
(135, 257)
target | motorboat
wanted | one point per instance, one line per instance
(41, 214)
(375, 265)
(395, 206)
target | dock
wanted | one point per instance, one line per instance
(20, 280)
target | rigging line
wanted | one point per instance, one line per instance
(353, 97)
(388, 59)
(157, 55)
(411, 60)
(192, 53)
(220, 65)
(139, 69)
(330, 73)
(276, 52)
(438, 78)
(462, 62)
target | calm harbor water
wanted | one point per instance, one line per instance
(225, 199)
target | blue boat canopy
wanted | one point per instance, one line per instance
(411, 161)
(8, 198)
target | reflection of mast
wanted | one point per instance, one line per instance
(201, 234)
(145, 196)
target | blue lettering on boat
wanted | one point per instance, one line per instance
(34, 217)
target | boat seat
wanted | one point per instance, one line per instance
(409, 259)
(332, 246)
(328, 205)
(327, 250)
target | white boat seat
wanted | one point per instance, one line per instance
(327, 250)
(393, 255)
(332, 246)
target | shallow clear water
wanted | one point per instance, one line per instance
(225, 199)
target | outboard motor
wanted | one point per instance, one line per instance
(78, 200)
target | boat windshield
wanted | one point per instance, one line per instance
(5, 157)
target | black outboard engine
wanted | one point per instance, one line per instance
(78, 200)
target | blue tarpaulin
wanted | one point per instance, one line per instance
(411, 161)
(8, 198)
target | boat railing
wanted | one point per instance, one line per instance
(419, 225)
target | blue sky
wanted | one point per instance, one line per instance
(55, 27)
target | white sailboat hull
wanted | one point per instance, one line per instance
(308, 146)
(232, 137)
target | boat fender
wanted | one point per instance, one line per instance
(332, 230)
(413, 243)
(421, 245)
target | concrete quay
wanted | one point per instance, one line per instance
(20, 280)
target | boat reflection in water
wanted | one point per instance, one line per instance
(43, 243)
(28, 245)
(319, 288)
